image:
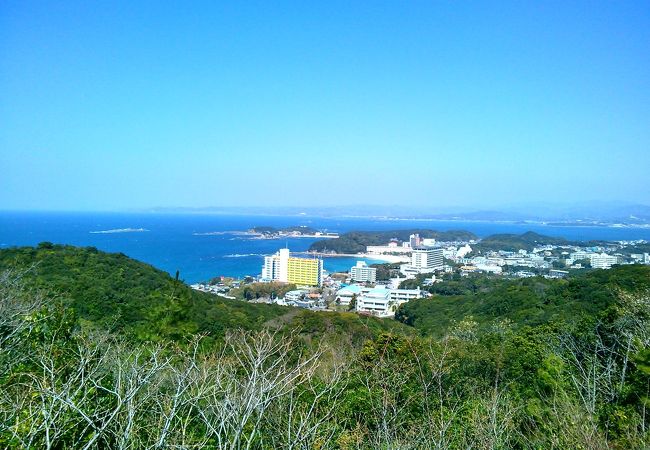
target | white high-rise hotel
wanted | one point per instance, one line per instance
(426, 259)
(275, 266)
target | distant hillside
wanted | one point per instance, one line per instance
(582, 213)
(357, 241)
(531, 301)
(514, 242)
(527, 241)
(638, 248)
(113, 291)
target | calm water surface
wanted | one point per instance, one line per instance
(171, 242)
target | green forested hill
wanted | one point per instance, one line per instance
(514, 242)
(121, 294)
(530, 301)
(526, 241)
(571, 369)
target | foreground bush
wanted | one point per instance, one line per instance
(580, 386)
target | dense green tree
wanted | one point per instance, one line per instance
(353, 303)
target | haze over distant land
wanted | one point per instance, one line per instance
(576, 214)
(442, 108)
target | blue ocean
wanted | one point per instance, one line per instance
(174, 242)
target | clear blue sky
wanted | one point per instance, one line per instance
(109, 105)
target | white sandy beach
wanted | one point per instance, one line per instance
(386, 258)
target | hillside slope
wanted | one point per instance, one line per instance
(115, 292)
(530, 301)
(514, 242)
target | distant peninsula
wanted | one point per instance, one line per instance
(300, 231)
(265, 232)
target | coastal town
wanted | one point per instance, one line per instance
(412, 266)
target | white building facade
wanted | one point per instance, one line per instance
(380, 300)
(275, 266)
(426, 259)
(362, 273)
(376, 302)
(383, 302)
(603, 261)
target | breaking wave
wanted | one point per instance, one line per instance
(120, 230)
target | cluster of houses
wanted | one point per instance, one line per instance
(495, 262)
(304, 298)
(548, 259)
(219, 286)
(379, 300)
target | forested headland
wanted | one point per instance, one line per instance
(100, 351)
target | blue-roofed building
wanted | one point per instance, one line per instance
(379, 300)
(344, 295)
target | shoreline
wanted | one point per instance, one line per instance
(289, 236)
(262, 236)
(387, 258)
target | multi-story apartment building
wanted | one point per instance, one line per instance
(362, 273)
(376, 301)
(275, 266)
(285, 268)
(305, 271)
(383, 302)
(390, 248)
(414, 240)
(426, 259)
(603, 260)
(344, 295)
(576, 256)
